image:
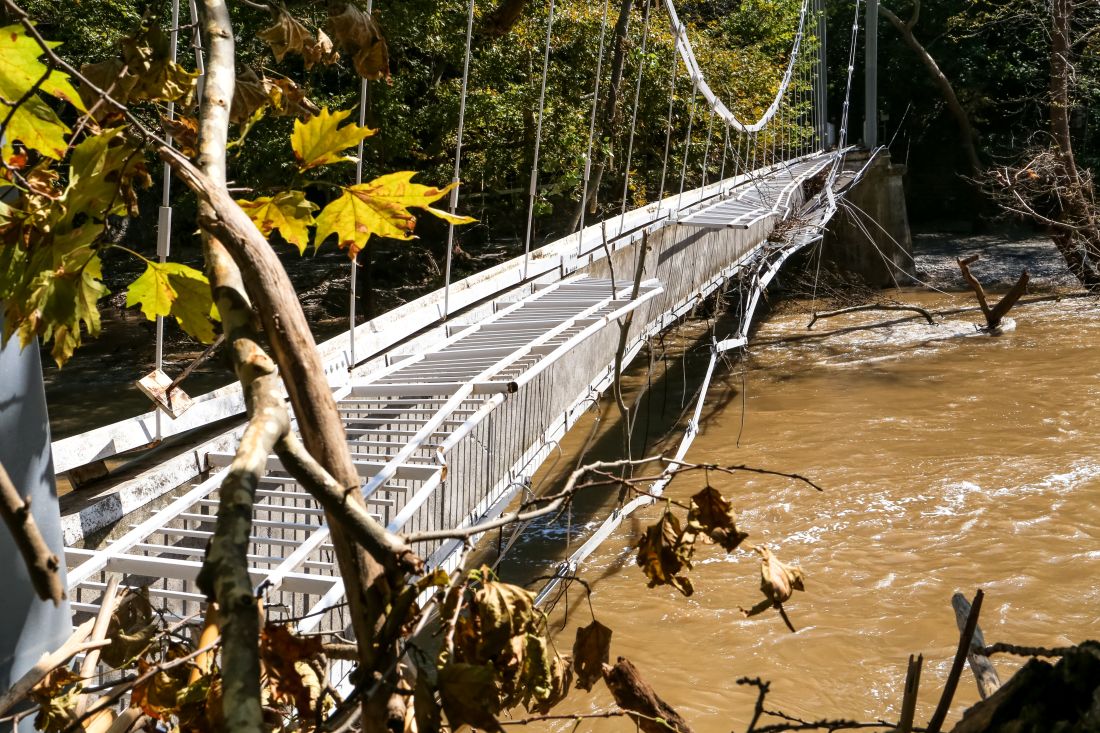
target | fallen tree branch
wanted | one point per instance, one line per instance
(992, 315)
(43, 566)
(897, 321)
(871, 307)
(50, 661)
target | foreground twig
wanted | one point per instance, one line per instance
(762, 688)
(42, 565)
(50, 661)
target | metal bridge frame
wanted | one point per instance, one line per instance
(409, 412)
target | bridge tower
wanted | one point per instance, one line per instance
(870, 116)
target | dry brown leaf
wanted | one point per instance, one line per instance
(281, 95)
(157, 695)
(712, 515)
(359, 36)
(661, 557)
(185, 133)
(289, 100)
(131, 629)
(469, 696)
(249, 95)
(287, 35)
(778, 580)
(321, 51)
(291, 679)
(591, 650)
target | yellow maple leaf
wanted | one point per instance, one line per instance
(380, 207)
(288, 211)
(322, 141)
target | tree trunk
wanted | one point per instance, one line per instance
(240, 263)
(962, 119)
(1080, 245)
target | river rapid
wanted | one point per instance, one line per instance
(949, 460)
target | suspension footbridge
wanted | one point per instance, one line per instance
(450, 403)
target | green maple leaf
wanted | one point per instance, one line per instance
(20, 69)
(321, 140)
(36, 126)
(60, 302)
(102, 173)
(194, 307)
(380, 207)
(174, 289)
(288, 211)
(152, 291)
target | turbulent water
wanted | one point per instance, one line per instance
(950, 461)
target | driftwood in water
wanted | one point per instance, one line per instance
(909, 699)
(984, 672)
(634, 695)
(952, 683)
(871, 307)
(992, 315)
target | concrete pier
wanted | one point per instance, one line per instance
(874, 241)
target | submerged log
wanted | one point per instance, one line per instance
(633, 694)
(871, 307)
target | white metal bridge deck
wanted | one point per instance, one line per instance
(401, 423)
(770, 196)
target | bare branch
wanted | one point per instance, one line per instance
(554, 504)
(334, 498)
(42, 565)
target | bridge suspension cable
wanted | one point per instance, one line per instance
(634, 115)
(455, 182)
(592, 122)
(760, 272)
(687, 53)
(538, 143)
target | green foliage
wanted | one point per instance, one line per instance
(174, 289)
(55, 229)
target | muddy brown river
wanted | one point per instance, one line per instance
(949, 462)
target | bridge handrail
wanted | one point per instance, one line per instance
(383, 333)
